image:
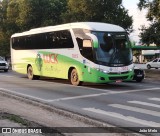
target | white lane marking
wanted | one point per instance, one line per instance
(79, 97)
(97, 89)
(131, 91)
(24, 95)
(141, 85)
(7, 76)
(126, 118)
(60, 99)
(135, 109)
(108, 92)
(104, 90)
(154, 99)
(145, 103)
(101, 94)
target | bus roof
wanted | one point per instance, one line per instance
(94, 26)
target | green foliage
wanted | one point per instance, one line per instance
(153, 7)
(4, 45)
(36, 13)
(21, 15)
(4, 37)
(98, 11)
(152, 33)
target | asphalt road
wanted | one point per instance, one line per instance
(128, 104)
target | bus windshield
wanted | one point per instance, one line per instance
(114, 49)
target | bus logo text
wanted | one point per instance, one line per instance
(50, 58)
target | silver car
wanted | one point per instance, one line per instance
(4, 64)
(153, 64)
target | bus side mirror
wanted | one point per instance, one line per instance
(94, 40)
(95, 44)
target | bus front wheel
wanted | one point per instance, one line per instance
(74, 78)
(30, 74)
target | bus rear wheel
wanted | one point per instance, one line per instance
(30, 74)
(74, 78)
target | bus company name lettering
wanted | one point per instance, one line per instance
(50, 58)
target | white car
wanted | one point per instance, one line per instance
(153, 64)
(4, 64)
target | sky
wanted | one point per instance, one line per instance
(138, 17)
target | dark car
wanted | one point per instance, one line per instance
(139, 74)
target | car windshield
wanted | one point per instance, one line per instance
(114, 49)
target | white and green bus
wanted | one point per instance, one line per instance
(81, 52)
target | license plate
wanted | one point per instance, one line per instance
(139, 75)
(118, 81)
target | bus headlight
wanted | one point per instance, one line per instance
(101, 70)
(104, 71)
(131, 69)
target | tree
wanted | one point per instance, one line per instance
(11, 17)
(22, 15)
(152, 33)
(98, 11)
(4, 38)
(36, 13)
(4, 48)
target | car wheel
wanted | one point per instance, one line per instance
(139, 79)
(74, 78)
(149, 66)
(6, 70)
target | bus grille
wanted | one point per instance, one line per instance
(118, 78)
(2, 64)
(118, 73)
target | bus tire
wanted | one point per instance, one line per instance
(30, 74)
(6, 70)
(74, 78)
(139, 79)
